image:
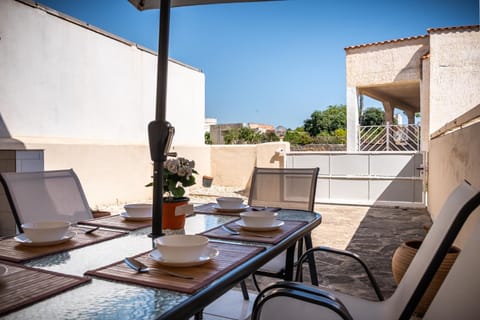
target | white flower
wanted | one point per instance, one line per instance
(178, 174)
(182, 171)
(172, 165)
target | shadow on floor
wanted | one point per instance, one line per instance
(375, 239)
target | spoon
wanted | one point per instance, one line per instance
(238, 233)
(271, 209)
(141, 268)
(91, 230)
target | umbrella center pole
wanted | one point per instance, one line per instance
(157, 207)
(160, 112)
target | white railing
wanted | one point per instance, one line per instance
(389, 138)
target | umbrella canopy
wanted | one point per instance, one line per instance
(160, 132)
(155, 4)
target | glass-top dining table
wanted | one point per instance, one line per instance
(109, 299)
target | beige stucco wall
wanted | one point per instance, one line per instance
(386, 63)
(454, 157)
(232, 165)
(454, 115)
(425, 105)
(383, 64)
(200, 154)
(117, 173)
(454, 75)
(109, 173)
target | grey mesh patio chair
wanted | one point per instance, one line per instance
(288, 300)
(286, 188)
(45, 195)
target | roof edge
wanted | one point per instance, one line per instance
(385, 42)
(456, 28)
(429, 31)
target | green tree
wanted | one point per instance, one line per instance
(208, 138)
(372, 117)
(249, 136)
(340, 136)
(328, 120)
(243, 135)
(230, 137)
(270, 136)
(298, 136)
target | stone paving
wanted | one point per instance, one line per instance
(374, 233)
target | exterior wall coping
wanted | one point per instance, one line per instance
(468, 118)
(454, 29)
(430, 31)
(385, 42)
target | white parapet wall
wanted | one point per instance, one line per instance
(85, 97)
(62, 78)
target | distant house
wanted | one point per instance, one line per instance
(208, 123)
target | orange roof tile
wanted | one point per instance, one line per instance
(385, 42)
(458, 28)
(431, 30)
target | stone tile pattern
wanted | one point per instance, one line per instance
(374, 237)
(374, 233)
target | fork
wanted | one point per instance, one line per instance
(142, 268)
(90, 229)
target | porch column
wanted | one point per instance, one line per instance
(410, 116)
(352, 119)
(388, 116)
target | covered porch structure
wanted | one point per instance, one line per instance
(388, 71)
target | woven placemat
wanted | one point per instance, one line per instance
(209, 208)
(22, 286)
(230, 256)
(11, 250)
(275, 236)
(117, 222)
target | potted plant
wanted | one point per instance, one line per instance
(402, 258)
(178, 173)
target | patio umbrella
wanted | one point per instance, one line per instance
(160, 132)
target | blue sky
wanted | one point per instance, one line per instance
(272, 62)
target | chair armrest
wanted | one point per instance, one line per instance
(298, 292)
(310, 252)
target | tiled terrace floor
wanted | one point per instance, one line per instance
(372, 232)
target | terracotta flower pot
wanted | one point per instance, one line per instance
(402, 258)
(171, 220)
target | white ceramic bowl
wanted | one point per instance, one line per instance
(181, 247)
(230, 202)
(46, 230)
(259, 219)
(139, 210)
